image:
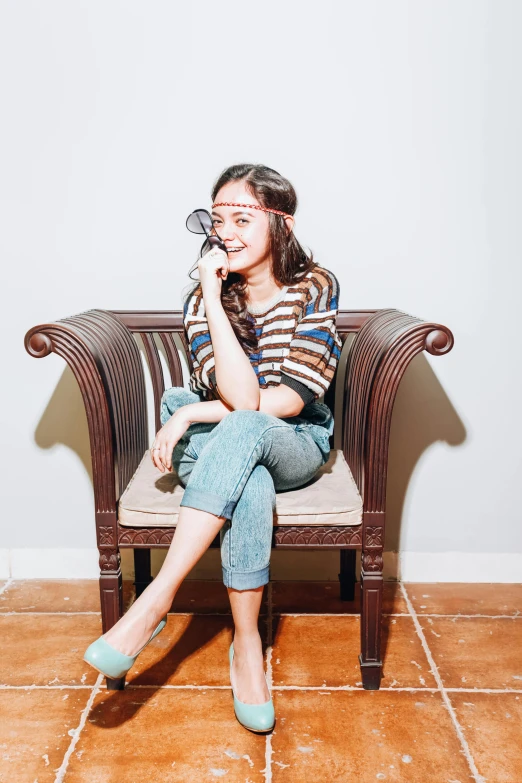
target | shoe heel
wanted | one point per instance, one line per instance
(255, 717)
(111, 662)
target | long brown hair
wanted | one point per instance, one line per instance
(289, 261)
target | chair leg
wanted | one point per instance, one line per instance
(371, 599)
(142, 570)
(371, 622)
(347, 574)
(111, 600)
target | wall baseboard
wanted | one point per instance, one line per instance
(502, 567)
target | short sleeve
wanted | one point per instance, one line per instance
(315, 348)
(202, 380)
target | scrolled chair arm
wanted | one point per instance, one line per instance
(378, 358)
(104, 357)
(439, 340)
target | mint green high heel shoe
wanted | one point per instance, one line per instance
(111, 662)
(256, 717)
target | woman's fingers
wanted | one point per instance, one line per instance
(216, 261)
(223, 264)
(162, 455)
(155, 458)
(169, 448)
(165, 442)
(214, 266)
(155, 452)
(159, 455)
(166, 457)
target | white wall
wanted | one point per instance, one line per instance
(398, 123)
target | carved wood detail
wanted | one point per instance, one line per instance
(318, 537)
(294, 537)
(109, 560)
(373, 537)
(106, 535)
(371, 561)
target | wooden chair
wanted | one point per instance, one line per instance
(344, 507)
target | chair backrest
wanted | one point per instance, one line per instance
(160, 328)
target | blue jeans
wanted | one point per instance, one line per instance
(233, 468)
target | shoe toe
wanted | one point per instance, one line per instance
(111, 662)
(256, 720)
(106, 659)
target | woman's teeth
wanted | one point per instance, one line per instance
(235, 250)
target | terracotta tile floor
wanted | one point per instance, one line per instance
(449, 709)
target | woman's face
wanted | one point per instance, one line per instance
(242, 228)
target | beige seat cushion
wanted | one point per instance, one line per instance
(331, 498)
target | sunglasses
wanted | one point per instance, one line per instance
(200, 222)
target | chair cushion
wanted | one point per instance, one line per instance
(152, 498)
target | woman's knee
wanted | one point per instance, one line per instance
(260, 486)
(175, 398)
(246, 419)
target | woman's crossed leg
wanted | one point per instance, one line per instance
(230, 470)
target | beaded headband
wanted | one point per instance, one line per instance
(253, 206)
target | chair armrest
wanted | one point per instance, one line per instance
(379, 356)
(105, 359)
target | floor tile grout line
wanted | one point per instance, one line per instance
(400, 614)
(83, 719)
(449, 706)
(45, 614)
(517, 616)
(33, 687)
(412, 689)
(322, 688)
(8, 584)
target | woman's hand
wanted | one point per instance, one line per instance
(213, 267)
(166, 439)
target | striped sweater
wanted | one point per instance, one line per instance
(298, 343)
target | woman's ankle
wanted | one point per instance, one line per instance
(247, 639)
(160, 595)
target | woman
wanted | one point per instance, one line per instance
(260, 323)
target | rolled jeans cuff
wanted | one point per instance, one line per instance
(208, 501)
(245, 580)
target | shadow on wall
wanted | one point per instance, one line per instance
(422, 415)
(64, 421)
